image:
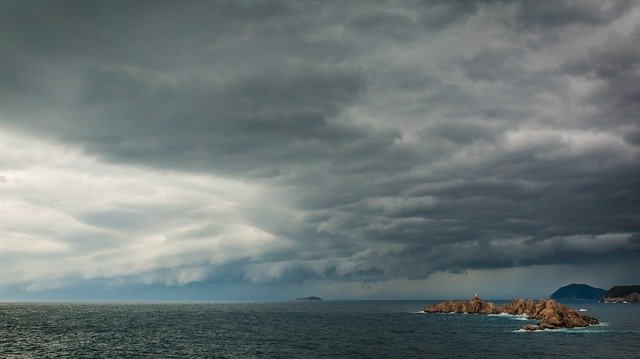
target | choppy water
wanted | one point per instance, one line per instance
(315, 329)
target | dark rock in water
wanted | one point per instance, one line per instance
(530, 327)
(621, 294)
(578, 291)
(551, 314)
(308, 299)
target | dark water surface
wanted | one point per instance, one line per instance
(295, 330)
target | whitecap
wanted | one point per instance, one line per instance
(583, 330)
(511, 316)
(582, 310)
(500, 315)
(588, 329)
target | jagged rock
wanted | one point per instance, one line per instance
(519, 307)
(551, 314)
(474, 306)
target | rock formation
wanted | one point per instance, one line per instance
(474, 306)
(551, 314)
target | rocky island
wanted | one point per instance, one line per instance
(549, 313)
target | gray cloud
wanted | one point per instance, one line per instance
(384, 24)
(493, 64)
(394, 140)
(543, 15)
(615, 66)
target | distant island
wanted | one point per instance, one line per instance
(622, 294)
(578, 292)
(308, 299)
(551, 314)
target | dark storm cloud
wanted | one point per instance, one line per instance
(616, 66)
(543, 15)
(402, 138)
(384, 24)
(493, 64)
(537, 23)
(266, 116)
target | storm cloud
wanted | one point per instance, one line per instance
(296, 143)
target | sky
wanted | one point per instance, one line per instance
(267, 150)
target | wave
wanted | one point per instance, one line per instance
(500, 315)
(511, 316)
(588, 329)
(439, 313)
(582, 310)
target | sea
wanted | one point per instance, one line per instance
(330, 329)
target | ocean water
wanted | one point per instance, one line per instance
(336, 329)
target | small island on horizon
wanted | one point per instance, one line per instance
(313, 298)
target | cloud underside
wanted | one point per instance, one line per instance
(283, 142)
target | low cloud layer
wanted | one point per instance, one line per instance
(284, 143)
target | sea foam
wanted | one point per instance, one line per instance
(588, 329)
(511, 316)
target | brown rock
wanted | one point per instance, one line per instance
(519, 307)
(474, 306)
(551, 314)
(555, 315)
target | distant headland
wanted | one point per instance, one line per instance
(308, 299)
(617, 294)
(578, 292)
(551, 314)
(622, 294)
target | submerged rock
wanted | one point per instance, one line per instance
(551, 314)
